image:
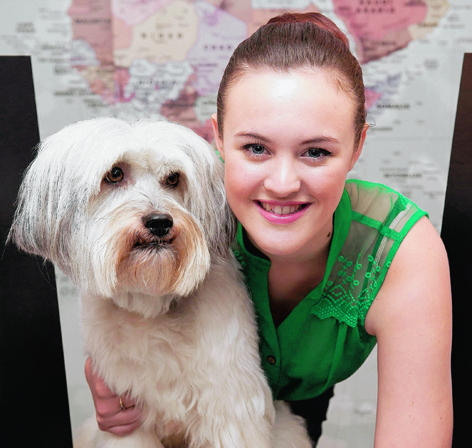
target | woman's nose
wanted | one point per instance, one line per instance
(282, 179)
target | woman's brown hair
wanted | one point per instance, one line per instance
(297, 41)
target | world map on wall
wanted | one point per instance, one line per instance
(167, 57)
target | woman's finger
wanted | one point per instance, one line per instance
(114, 414)
(121, 422)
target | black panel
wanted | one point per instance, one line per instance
(33, 395)
(457, 235)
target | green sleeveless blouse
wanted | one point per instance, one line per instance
(323, 340)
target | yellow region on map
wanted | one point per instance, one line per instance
(165, 36)
(436, 11)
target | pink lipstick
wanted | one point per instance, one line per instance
(281, 212)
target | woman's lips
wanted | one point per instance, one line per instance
(281, 212)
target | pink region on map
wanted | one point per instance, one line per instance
(80, 7)
(219, 34)
(91, 22)
(205, 131)
(182, 110)
(122, 34)
(380, 27)
(375, 18)
(241, 9)
(121, 78)
(371, 97)
(100, 88)
(134, 12)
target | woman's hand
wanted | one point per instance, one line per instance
(116, 415)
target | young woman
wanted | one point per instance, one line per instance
(334, 267)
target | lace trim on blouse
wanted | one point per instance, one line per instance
(381, 218)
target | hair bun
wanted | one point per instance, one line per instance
(315, 18)
(295, 41)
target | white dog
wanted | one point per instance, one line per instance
(136, 215)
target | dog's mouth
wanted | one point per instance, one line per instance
(157, 232)
(147, 240)
(155, 244)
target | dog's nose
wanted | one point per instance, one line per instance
(159, 224)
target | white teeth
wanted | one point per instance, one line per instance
(280, 210)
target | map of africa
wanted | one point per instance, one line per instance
(165, 58)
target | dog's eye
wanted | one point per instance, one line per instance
(114, 175)
(173, 179)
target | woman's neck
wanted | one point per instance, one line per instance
(292, 278)
(314, 253)
(297, 276)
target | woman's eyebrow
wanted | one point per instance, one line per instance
(253, 135)
(311, 141)
(318, 140)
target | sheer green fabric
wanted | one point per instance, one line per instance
(323, 341)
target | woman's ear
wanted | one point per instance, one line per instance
(358, 150)
(218, 140)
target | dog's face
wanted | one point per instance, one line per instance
(126, 208)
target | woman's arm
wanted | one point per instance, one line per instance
(110, 416)
(412, 320)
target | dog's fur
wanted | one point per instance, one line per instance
(165, 314)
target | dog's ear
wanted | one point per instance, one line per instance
(40, 224)
(207, 193)
(225, 226)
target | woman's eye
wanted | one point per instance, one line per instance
(258, 149)
(114, 175)
(255, 149)
(173, 179)
(317, 153)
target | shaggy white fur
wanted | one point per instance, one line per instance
(136, 215)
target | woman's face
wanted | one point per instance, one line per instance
(288, 144)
